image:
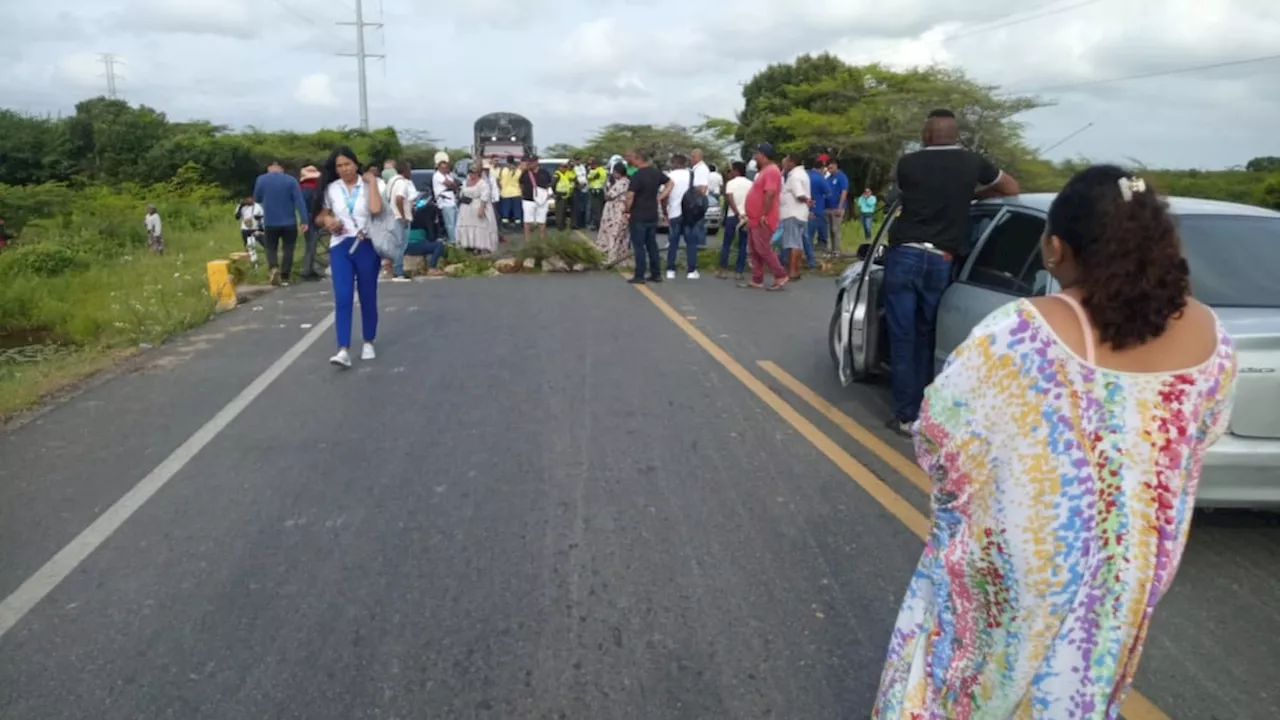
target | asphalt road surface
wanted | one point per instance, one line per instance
(549, 497)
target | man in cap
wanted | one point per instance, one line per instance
(308, 179)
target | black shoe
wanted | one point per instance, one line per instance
(656, 278)
(310, 277)
(636, 281)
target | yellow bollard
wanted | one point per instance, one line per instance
(221, 285)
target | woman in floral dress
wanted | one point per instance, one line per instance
(1064, 439)
(613, 239)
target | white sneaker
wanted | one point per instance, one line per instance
(342, 359)
(401, 279)
(693, 275)
(671, 274)
(367, 352)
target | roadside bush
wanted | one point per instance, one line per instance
(562, 246)
(42, 260)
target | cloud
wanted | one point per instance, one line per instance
(316, 91)
(572, 66)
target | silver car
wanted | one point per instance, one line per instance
(1233, 251)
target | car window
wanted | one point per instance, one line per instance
(980, 218)
(1010, 257)
(1232, 259)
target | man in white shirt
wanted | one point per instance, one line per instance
(679, 182)
(715, 184)
(581, 201)
(401, 193)
(445, 188)
(735, 221)
(793, 209)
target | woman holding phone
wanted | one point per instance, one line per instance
(352, 200)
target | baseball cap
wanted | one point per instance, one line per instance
(765, 149)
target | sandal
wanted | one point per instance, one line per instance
(751, 285)
(779, 284)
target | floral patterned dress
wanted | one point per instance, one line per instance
(1062, 499)
(613, 239)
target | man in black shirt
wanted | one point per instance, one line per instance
(642, 211)
(935, 186)
(535, 192)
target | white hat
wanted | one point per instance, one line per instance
(441, 156)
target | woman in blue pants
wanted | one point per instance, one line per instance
(345, 206)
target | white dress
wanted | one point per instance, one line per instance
(475, 232)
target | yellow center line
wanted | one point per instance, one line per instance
(1134, 706)
(894, 503)
(866, 438)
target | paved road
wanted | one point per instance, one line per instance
(550, 497)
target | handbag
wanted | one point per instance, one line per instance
(384, 230)
(693, 206)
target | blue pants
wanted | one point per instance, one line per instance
(679, 229)
(914, 280)
(817, 226)
(644, 244)
(581, 208)
(866, 225)
(397, 263)
(449, 215)
(351, 272)
(512, 210)
(733, 232)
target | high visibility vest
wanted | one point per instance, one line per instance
(565, 180)
(596, 178)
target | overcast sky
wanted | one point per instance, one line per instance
(571, 66)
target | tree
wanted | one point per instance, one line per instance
(868, 116)
(661, 142)
(1267, 164)
(562, 150)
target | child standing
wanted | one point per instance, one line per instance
(155, 234)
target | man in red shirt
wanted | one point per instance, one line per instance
(762, 220)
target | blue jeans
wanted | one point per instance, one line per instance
(914, 280)
(808, 246)
(644, 244)
(353, 272)
(512, 210)
(866, 225)
(397, 263)
(581, 208)
(678, 229)
(450, 217)
(733, 232)
(817, 225)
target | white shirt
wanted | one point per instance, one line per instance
(681, 179)
(794, 203)
(701, 175)
(153, 224)
(250, 216)
(738, 189)
(580, 172)
(356, 217)
(493, 186)
(444, 196)
(402, 187)
(715, 183)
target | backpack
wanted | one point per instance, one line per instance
(693, 206)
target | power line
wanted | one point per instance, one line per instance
(109, 61)
(1143, 76)
(1019, 20)
(360, 55)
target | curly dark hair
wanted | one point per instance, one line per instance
(1129, 256)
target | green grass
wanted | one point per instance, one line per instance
(103, 307)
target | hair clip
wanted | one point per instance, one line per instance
(1131, 185)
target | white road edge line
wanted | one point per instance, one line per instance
(31, 592)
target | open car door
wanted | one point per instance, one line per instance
(856, 335)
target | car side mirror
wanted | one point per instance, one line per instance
(1042, 282)
(863, 251)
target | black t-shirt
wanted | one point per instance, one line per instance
(936, 186)
(542, 177)
(646, 183)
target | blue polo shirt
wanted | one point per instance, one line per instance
(839, 183)
(821, 191)
(280, 196)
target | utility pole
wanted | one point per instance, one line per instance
(360, 55)
(109, 62)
